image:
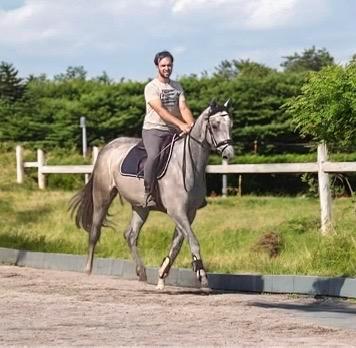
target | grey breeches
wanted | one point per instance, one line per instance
(153, 140)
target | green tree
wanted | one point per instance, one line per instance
(326, 108)
(50, 110)
(104, 78)
(310, 59)
(255, 106)
(231, 69)
(12, 86)
(72, 73)
(353, 59)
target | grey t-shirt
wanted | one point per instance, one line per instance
(170, 94)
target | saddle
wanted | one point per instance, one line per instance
(133, 163)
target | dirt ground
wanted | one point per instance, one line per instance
(53, 308)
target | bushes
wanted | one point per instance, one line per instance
(49, 111)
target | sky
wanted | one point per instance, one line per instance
(121, 37)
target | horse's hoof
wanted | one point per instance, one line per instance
(204, 283)
(87, 271)
(141, 273)
(142, 277)
(160, 284)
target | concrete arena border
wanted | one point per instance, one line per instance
(309, 285)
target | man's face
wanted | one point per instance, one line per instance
(165, 67)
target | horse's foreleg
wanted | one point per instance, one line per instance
(139, 216)
(177, 241)
(184, 224)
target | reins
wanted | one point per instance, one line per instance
(187, 146)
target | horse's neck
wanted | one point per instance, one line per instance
(198, 145)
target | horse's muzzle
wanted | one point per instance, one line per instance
(227, 151)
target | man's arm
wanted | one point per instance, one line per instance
(157, 106)
(186, 113)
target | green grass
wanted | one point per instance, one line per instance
(230, 231)
(235, 234)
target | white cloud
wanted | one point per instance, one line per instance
(73, 24)
(180, 6)
(70, 22)
(253, 14)
(263, 14)
(120, 33)
(179, 49)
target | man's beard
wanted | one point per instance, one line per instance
(163, 75)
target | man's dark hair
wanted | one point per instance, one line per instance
(160, 55)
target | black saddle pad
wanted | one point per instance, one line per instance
(134, 161)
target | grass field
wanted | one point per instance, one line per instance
(274, 235)
(270, 235)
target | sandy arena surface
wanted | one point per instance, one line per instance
(53, 308)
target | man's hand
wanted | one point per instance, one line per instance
(185, 127)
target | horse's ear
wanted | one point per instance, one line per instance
(212, 103)
(226, 104)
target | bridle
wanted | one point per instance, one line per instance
(225, 143)
(205, 144)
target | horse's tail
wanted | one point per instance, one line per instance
(81, 206)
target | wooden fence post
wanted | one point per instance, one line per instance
(20, 171)
(41, 163)
(95, 154)
(240, 186)
(224, 180)
(324, 190)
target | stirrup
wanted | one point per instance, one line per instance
(148, 201)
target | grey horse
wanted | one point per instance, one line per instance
(182, 190)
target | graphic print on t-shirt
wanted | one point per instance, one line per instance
(169, 97)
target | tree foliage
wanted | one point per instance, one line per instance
(47, 111)
(326, 108)
(310, 60)
(72, 73)
(242, 67)
(12, 86)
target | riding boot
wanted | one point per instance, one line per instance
(148, 200)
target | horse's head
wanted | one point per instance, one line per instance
(218, 129)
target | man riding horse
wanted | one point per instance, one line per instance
(166, 112)
(181, 190)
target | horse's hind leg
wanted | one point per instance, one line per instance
(139, 216)
(101, 203)
(177, 241)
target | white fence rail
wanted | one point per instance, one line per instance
(44, 169)
(323, 167)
